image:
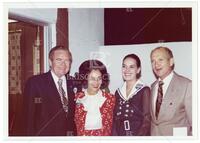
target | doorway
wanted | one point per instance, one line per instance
(26, 58)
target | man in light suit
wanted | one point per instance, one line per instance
(174, 110)
(46, 113)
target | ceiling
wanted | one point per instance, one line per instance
(40, 15)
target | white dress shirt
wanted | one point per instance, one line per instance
(64, 82)
(166, 82)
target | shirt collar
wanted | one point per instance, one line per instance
(135, 89)
(56, 78)
(99, 93)
(168, 78)
(86, 100)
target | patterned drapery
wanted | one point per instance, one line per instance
(14, 63)
(36, 54)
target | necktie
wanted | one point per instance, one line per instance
(159, 98)
(62, 95)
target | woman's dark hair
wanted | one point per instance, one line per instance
(87, 66)
(138, 62)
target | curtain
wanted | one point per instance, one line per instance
(14, 63)
(62, 27)
(36, 53)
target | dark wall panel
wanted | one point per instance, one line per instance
(147, 25)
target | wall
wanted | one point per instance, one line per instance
(45, 17)
(182, 52)
(86, 29)
(125, 26)
(39, 15)
(86, 34)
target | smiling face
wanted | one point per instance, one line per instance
(161, 63)
(130, 69)
(94, 81)
(60, 62)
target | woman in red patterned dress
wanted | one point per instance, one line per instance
(94, 106)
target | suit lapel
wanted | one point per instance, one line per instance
(69, 88)
(152, 100)
(53, 92)
(168, 99)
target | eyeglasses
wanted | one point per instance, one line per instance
(61, 61)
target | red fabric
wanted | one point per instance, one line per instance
(62, 27)
(106, 112)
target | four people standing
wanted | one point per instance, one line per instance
(56, 106)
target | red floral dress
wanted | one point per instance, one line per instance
(106, 111)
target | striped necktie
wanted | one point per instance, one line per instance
(62, 95)
(159, 97)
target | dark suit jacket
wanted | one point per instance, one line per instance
(44, 114)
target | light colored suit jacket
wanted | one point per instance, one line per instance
(176, 107)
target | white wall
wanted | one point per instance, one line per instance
(86, 29)
(86, 34)
(112, 57)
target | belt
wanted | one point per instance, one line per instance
(126, 125)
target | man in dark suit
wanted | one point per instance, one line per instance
(49, 106)
(171, 100)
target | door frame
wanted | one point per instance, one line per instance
(49, 39)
